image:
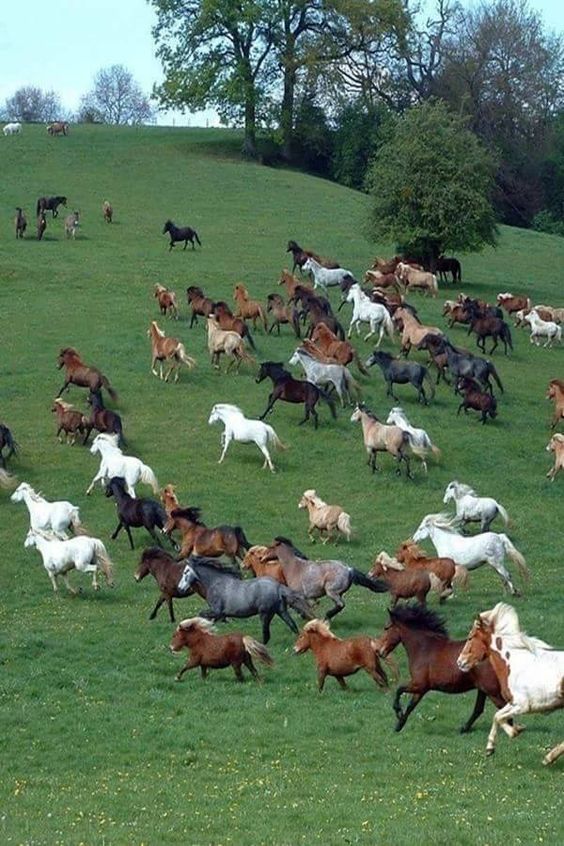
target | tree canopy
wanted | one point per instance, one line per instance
(115, 98)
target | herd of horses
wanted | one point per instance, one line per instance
(284, 579)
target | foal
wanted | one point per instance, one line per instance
(476, 399)
(69, 421)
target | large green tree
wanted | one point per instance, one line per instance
(431, 185)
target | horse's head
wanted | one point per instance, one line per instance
(20, 492)
(423, 531)
(187, 579)
(167, 227)
(30, 539)
(450, 492)
(215, 416)
(307, 498)
(115, 485)
(477, 645)
(292, 245)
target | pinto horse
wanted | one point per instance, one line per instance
(184, 233)
(50, 204)
(80, 374)
(198, 539)
(288, 389)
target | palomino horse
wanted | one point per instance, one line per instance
(210, 651)
(115, 463)
(181, 233)
(324, 518)
(381, 438)
(555, 393)
(88, 555)
(80, 374)
(288, 389)
(529, 670)
(248, 309)
(240, 428)
(340, 658)
(417, 279)
(412, 330)
(44, 516)
(471, 508)
(227, 343)
(229, 323)
(198, 539)
(166, 349)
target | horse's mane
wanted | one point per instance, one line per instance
(464, 489)
(364, 408)
(69, 351)
(321, 627)
(234, 408)
(288, 542)
(443, 520)
(199, 623)
(388, 562)
(417, 616)
(558, 382)
(34, 495)
(157, 552)
(198, 562)
(193, 514)
(504, 620)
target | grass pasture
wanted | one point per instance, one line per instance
(99, 744)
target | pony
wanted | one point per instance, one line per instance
(288, 389)
(342, 352)
(402, 583)
(69, 421)
(472, 552)
(340, 658)
(135, 512)
(529, 671)
(20, 222)
(41, 225)
(490, 326)
(475, 399)
(543, 329)
(13, 128)
(210, 651)
(324, 518)
(102, 419)
(240, 428)
(227, 343)
(167, 572)
(248, 309)
(199, 539)
(401, 372)
(88, 555)
(71, 224)
(58, 127)
(50, 204)
(512, 303)
(381, 438)
(107, 211)
(365, 311)
(167, 301)
(419, 437)
(324, 277)
(471, 508)
(199, 303)
(322, 374)
(556, 445)
(184, 233)
(417, 279)
(44, 516)
(115, 463)
(229, 323)
(167, 349)
(7, 440)
(80, 374)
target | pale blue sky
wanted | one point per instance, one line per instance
(60, 44)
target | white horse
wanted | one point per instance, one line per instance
(239, 428)
(115, 463)
(322, 374)
(324, 277)
(471, 508)
(418, 437)
(59, 556)
(543, 329)
(530, 670)
(471, 552)
(47, 516)
(12, 129)
(365, 311)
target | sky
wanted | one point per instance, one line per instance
(61, 44)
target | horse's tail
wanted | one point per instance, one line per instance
(431, 383)
(298, 602)
(108, 387)
(249, 337)
(6, 479)
(359, 364)
(241, 538)
(103, 561)
(118, 430)
(74, 521)
(38, 207)
(244, 355)
(196, 237)
(274, 439)
(182, 356)
(435, 450)
(507, 336)
(257, 651)
(516, 557)
(493, 371)
(344, 524)
(461, 577)
(503, 513)
(329, 400)
(375, 585)
(149, 478)
(388, 325)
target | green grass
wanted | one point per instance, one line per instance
(99, 744)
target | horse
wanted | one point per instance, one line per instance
(184, 233)
(412, 330)
(50, 204)
(58, 127)
(401, 372)
(471, 508)
(445, 569)
(474, 398)
(324, 518)
(69, 421)
(20, 223)
(228, 343)
(490, 327)
(44, 516)
(512, 303)
(342, 352)
(419, 437)
(240, 428)
(474, 551)
(288, 389)
(556, 445)
(317, 314)
(13, 128)
(229, 323)
(169, 499)
(228, 596)
(7, 440)
(115, 463)
(340, 658)
(281, 314)
(167, 572)
(80, 374)
(432, 663)
(248, 309)
(88, 555)
(323, 375)
(529, 671)
(71, 224)
(290, 282)
(210, 651)
(254, 561)
(449, 265)
(167, 301)
(300, 257)
(102, 419)
(199, 303)
(465, 364)
(381, 438)
(136, 512)
(199, 539)
(417, 279)
(41, 225)
(403, 583)
(107, 211)
(365, 311)
(167, 349)
(543, 329)
(324, 277)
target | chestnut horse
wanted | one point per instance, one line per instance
(342, 352)
(70, 421)
(402, 584)
(80, 374)
(445, 569)
(248, 309)
(210, 651)
(556, 394)
(167, 572)
(197, 538)
(254, 562)
(229, 323)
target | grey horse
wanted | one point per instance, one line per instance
(322, 374)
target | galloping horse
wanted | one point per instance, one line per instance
(198, 539)
(185, 233)
(288, 389)
(50, 204)
(80, 374)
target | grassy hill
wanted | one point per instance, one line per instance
(100, 745)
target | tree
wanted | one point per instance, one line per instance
(115, 98)
(360, 131)
(33, 105)
(431, 185)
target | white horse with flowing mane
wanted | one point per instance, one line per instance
(471, 551)
(418, 437)
(471, 508)
(45, 516)
(530, 671)
(543, 329)
(59, 556)
(365, 311)
(240, 428)
(115, 463)
(324, 277)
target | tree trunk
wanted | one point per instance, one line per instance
(287, 110)
(250, 140)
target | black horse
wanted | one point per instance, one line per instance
(446, 264)
(288, 389)
(401, 372)
(50, 204)
(6, 440)
(134, 511)
(181, 233)
(103, 419)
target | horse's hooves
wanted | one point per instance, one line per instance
(489, 752)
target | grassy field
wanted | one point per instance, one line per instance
(99, 744)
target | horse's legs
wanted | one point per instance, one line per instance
(338, 606)
(477, 712)
(342, 682)
(227, 438)
(117, 531)
(266, 620)
(162, 598)
(284, 615)
(128, 530)
(267, 459)
(95, 584)
(321, 675)
(54, 582)
(269, 406)
(68, 586)
(99, 475)
(189, 665)
(495, 345)
(154, 535)
(554, 754)
(497, 563)
(65, 387)
(248, 661)
(412, 704)
(500, 717)
(238, 672)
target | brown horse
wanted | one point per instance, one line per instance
(445, 569)
(169, 499)
(229, 323)
(282, 314)
(20, 223)
(199, 303)
(288, 389)
(210, 651)
(107, 211)
(167, 573)
(555, 393)
(300, 257)
(254, 562)
(342, 352)
(475, 398)
(402, 584)
(80, 374)
(248, 309)
(103, 419)
(167, 301)
(198, 539)
(70, 421)
(432, 662)
(291, 282)
(340, 658)
(41, 225)
(169, 350)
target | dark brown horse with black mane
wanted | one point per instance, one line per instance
(198, 539)
(288, 389)
(103, 419)
(300, 257)
(199, 303)
(167, 572)
(50, 204)
(80, 374)
(181, 233)
(449, 264)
